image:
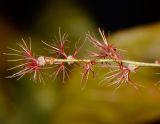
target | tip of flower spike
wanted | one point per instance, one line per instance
(103, 36)
(28, 64)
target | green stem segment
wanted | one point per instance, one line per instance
(109, 60)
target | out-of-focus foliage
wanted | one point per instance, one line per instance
(98, 105)
(24, 102)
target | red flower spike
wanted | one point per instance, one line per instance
(87, 69)
(57, 47)
(120, 75)
(30, 65)
(106, 50)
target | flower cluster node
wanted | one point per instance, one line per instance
(70, 57)
(41, 61)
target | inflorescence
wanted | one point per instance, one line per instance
(106, 55)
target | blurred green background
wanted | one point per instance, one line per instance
(26, 102)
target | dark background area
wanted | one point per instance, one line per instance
(118, 14)
(109, 14)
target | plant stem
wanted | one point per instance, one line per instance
(109, 60)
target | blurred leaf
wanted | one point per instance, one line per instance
(98, 105)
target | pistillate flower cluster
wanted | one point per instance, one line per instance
(105, 55)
